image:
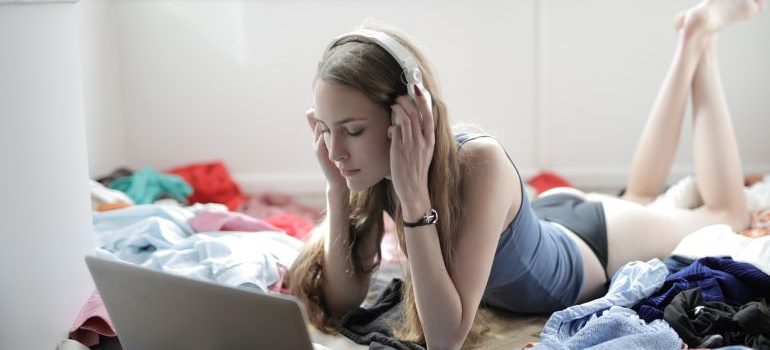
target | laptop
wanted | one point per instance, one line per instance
(155, 310)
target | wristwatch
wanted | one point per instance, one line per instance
(429, 219)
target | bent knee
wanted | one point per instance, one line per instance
(737, 219)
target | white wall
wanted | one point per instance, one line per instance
(566, 85)
(603, 62)
(102, 95)
(44, 207)
(231, 80)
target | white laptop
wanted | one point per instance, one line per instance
(155, 310)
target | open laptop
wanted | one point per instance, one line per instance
(155, 310)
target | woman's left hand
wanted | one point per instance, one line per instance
(411, 148)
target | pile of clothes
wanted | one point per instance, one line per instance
(225, 237)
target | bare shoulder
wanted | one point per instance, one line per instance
(488, 175)
(484, 154)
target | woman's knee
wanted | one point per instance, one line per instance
(739, 219)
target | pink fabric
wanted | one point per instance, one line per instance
(271, 204)
(278, 287)
(229, 221)
(91, 322)
(391, 252)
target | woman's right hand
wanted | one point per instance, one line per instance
(334, 179)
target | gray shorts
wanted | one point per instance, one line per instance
(584, 218)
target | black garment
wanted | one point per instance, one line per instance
(714, 324)
(114, 175)
(373, 326)
(584, 218)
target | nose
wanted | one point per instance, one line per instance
(336, 147)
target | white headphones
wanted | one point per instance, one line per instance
(411, 74)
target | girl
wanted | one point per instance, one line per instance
(467, 229)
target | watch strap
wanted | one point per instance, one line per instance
(428, 219)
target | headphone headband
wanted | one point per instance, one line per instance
(404, 58)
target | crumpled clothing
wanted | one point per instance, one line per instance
(148, 185)
(719, 279)
(372, 325)
(159, 237)
(546, 180)
(229, 221)
(132, 234)
(269, 204)
(293, 225)
(212, 184)
(108, 179)
(91, 322)
(101, 195)
(618, 328)
(632, 283)
(760, 224)
(709, 324)
(720, 240)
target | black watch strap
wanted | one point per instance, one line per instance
(429, 219)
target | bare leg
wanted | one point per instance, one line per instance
(660, 137)
(718, 167)
(659, 140)
(636, 232)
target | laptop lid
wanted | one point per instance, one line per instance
(155, 310)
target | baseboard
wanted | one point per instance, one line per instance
(309, 187)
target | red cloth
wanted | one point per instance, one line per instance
(91, 322)
(547, 180)
(294, 225)
(211, 183)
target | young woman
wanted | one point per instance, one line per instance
(490, 243)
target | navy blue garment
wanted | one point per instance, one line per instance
(675, 263)
(537, 268)
(719, 279)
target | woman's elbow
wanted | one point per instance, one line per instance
(443, 344)
(452, 341)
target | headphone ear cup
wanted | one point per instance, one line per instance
(410, 92)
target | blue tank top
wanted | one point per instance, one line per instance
(537, 268)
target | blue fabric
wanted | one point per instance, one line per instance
(147, 185)
(159, 237)
(719, 279)
(537, 268)
(635, 281)
(619, 328)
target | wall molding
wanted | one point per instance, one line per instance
(309, 187)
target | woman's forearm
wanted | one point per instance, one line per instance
(343, 288)
(437, 299)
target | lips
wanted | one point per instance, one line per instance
(348, 172)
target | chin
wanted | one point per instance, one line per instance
(361, 185)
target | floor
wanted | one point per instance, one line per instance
(507, 331)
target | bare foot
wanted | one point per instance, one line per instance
(711, 16)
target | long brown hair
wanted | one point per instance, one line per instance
(367, 67)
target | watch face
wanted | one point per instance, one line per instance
(433, 217)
